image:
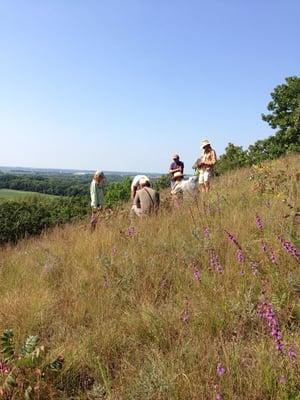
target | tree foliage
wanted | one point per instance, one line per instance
(284, 116)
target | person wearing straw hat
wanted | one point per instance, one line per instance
(176, 166)
(97, 197)
(206, 165)
(177, 190)
(146, 200)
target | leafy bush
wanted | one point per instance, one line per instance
(117, 193)
(30, 216)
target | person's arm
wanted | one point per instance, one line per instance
(172, 171)
(213, 159)
(137, 201)
(182, 167)
(93, 195)
(133, 192)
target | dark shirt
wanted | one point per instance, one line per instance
(177, 164)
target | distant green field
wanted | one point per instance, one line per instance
(9, 194)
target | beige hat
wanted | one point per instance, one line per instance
(143, 181)
(178, 175)
(205, 143)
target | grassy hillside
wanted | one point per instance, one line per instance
(186, 305)
(9, 194)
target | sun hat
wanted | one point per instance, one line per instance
(98, 173)
(143, 181)
(178, 175)
(205, 143)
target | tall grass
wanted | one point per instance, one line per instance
(139, 311)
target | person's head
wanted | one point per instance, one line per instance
(175, 157)
(178, 176)
(144, 182)
(98, 176)
(206, 145)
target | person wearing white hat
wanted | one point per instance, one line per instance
(135, 185)
(97, 197)
(206, 165)
(146, 200)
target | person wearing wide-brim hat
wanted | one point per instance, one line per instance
(177, 191)
(176, 166)
(97, 196)
(206, 165)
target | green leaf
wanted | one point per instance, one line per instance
(27, 394)
(29, 346)
(56, 365)
(9, 382)
(7, 345)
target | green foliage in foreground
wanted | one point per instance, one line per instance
(25, 373)
(31, 216)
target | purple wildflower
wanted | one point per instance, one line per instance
(254, 268)
(292, 353)
(290, 248)
(259, 223)
(196, 272)
(220, 369)
(114, 251)
(105, 282)
(240, 256)
(232, 238)
(282, 380)
(219, 396)
(4, 368)
(264, 246)
(185, 315)
(206, 232)
(273, 258)
(131, 232)
(266, 312)
(215, 263)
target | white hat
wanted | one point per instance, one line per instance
(205, 143)
(178, 175)
(98, 173)
(143, 181)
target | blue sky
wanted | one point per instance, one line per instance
(122, 84)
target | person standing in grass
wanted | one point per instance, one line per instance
(146, 200)
(97, 197)
(176, 166)
(206, 165)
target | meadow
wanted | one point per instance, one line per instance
(200, 303)
(10, 194)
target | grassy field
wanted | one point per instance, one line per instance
(201, 303)
(9, 194)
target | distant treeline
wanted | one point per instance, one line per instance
(59, 185)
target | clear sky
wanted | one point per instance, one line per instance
(122, 84)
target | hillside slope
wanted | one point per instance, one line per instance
(186, 305)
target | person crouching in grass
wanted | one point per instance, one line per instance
(97, 197)
(146, 200)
